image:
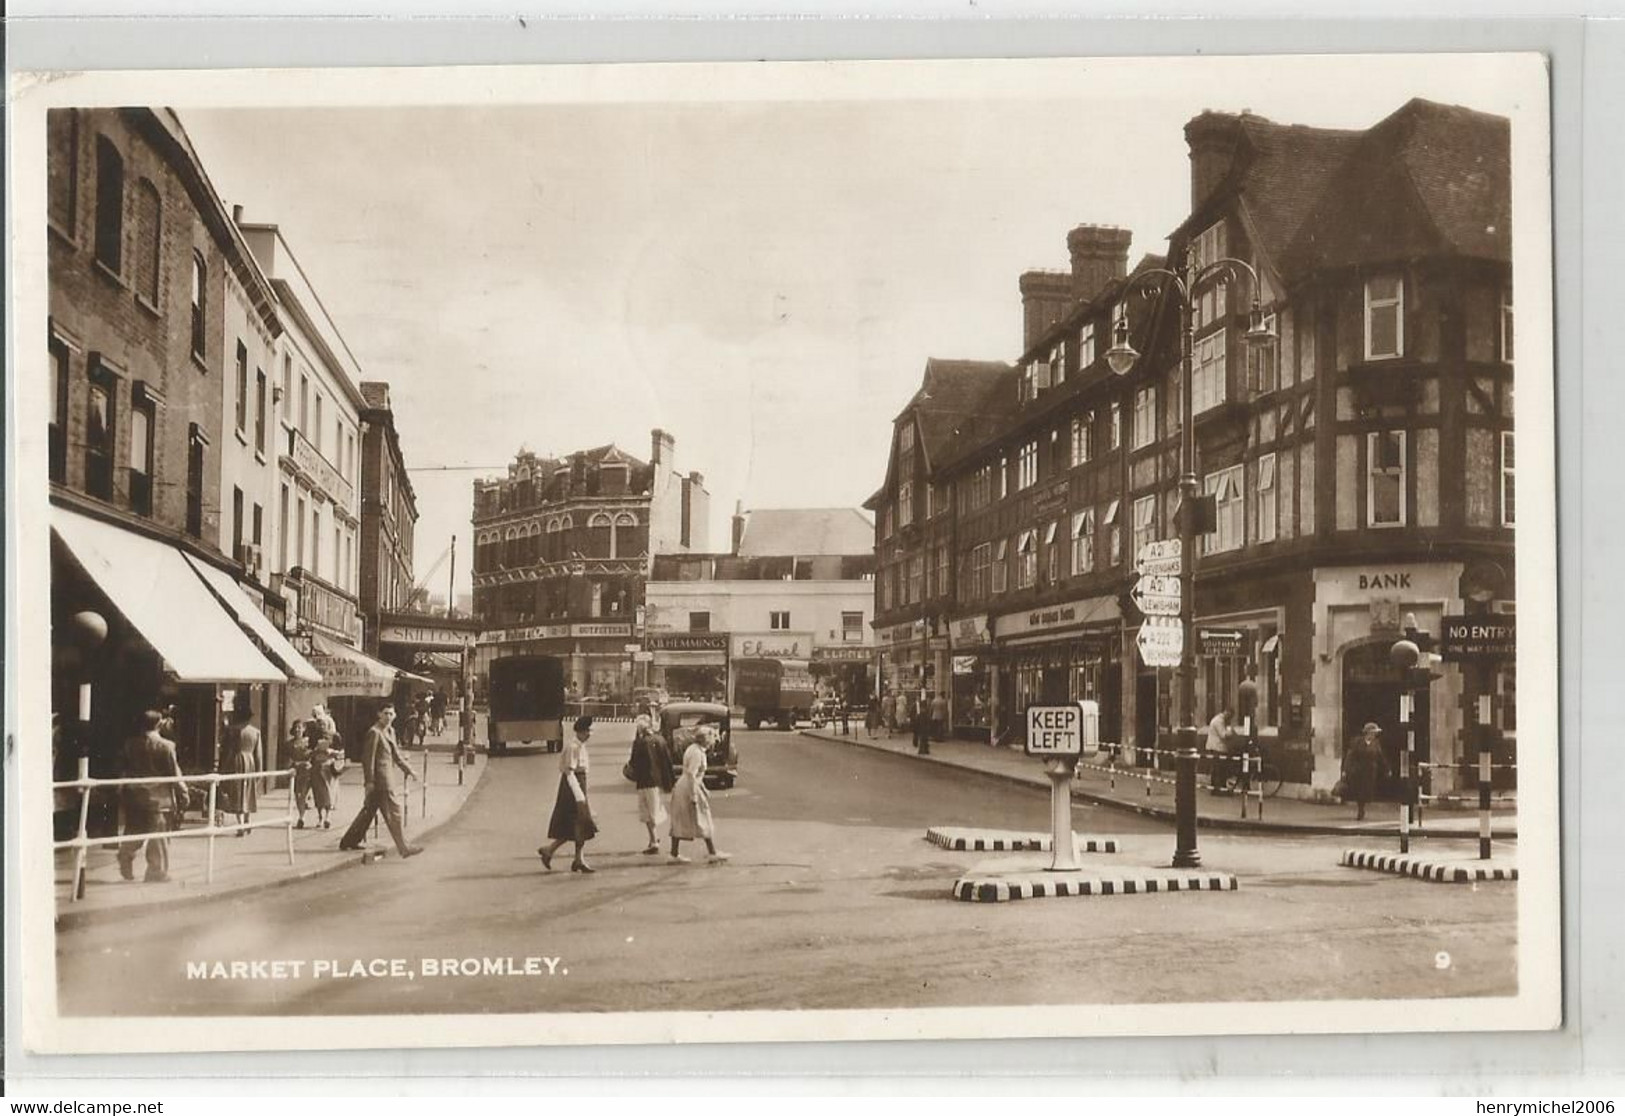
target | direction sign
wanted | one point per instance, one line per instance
(1162, 607)
(1157, 595)
(1054, 730)
(1160, 548)
(1161, 641)
(1166, 567)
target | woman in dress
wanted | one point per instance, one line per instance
(651, 772)
(242, 750)
(572, 813)
(299, 748)
(691, 802)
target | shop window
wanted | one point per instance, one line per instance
(1384, 317)
(1230, 530)
(1083, 541)
(1264, 515)
(1508, 488)
(1385, 487)
(1001, 566)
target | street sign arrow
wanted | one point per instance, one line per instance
(1157, 606)
(1160, 548)
(1161, 642)
(1157, 585)
(1163, 567)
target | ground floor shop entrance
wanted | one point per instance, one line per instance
(1371, 690)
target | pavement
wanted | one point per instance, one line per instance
(1154, 798)
(261, 858)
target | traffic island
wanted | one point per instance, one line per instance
(1013, 883)
(1441, 868)
(963, 839)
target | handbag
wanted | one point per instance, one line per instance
(1341, 789)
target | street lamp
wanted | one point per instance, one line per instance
(1122, 358)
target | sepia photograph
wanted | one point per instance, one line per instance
(730, 552)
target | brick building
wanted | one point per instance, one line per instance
(1362, 466)
(156, 304)
(389, 514)
(562, 549)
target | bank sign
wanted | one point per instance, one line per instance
(1478, 638)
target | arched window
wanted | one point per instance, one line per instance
(200, 304)
(600, 536)
(631, 538)
(149, 219)
(109, 205)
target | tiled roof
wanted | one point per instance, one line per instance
(806, 533)
(1286, 173)
(953, 392)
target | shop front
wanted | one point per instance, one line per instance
(1056, 654)
(914, 660)
(689, 666)
(845, 672)
(435, 647)
(971, 667)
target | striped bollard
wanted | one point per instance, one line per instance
(1485, 758)
(1405, 708)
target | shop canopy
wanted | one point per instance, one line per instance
(347, 672)
(162, 597)
(249, 615)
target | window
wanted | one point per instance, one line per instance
(1208, 372)
(141, 416)
(236, 523)
(304, 404)
(905, 503)
(338, 552)
(905, 437)
(1145, 417)
(109, 206)
(1264, 513)
(1385, 489)
(1263, 362)
(1026, 559)
(1001, 566)
(1508, 489)
(287, 382)
(99, 437)
(62, 128)
(1230, 530)
(1004, 476)
(1083, 438)
(699, 621)
(200, 306)
(259, 409)
(196, 442)
(851, 627)
(977, 575)
(258, 535)
(316, 539)
(299, 526)
(1027, 466)
(60, 368)
(1145, 523)
(1057, 365)
(1083, 541)
(338, 446)
(149, 220)
(1052, 554)
(1026, 387)
(1116, 431)
(242, 388)
(1117, 531)
(282, 532)
(316, 431)
(1209, 246)
(943, 588)
(778, 621)
(915, 592)
(1506, 323)
(1384, 318)
(1086, 346)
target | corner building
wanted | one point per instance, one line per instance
(563, 548)
(1362, 466)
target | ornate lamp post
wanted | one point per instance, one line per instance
(1122, 358)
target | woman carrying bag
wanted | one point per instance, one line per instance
(691, 803)
(649, 768)
(572, 814)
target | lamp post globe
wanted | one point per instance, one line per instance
(87, 630)
(1120, 358)
(1404, 654)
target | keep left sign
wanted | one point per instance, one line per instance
(1054, 730)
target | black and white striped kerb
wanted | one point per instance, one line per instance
(973, 890)
(1484, 759)
(994, 841)
(1425, 869)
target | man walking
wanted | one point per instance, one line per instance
(921, 723)
(939, 716)
(380, 759)
(149, 808)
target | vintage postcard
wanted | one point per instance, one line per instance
(729, 552)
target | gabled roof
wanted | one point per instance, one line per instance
(806, 533)
(611, 454)
(954, 391)
(1429, 179)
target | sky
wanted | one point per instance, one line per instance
(763, 278)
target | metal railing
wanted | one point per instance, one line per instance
(82, 842)
(1247, 764)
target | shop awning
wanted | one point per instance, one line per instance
(162, 597)
(347, 672)
(249, 615)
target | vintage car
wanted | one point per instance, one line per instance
(684, 722)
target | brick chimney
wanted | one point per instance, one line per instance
(1099, 256)
(662, 449)
(1046, 296)
(1213, 139)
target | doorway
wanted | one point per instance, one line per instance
(1371, 689)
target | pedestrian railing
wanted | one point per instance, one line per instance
(85, 785)
(1247, 765)
(601, 710)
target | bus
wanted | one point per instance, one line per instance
(526, 699)
(772, 691)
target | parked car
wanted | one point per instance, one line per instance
(682, 722)
(652, 696)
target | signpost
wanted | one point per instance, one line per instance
(1156, 595)
(1056, 733)
(1161, 641)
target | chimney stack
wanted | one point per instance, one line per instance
(1213, 139)
(1099, 257)
(662, 449)
(236, 214)
(739, 524)
(1046, 296)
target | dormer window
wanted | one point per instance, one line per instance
(1384, 318)
(1208, 246)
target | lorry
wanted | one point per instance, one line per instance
(526, 702)
(773, 691)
